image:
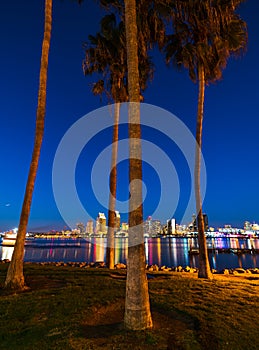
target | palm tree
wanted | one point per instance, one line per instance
(15, 277)
(106, 54)
(137, 305)
(205, 34)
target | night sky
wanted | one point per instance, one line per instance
(231, 123)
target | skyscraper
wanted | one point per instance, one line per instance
(117, 221)
(90, 227)
(194, 226)
(171, 227)
(101, 227)
(80, 227)
(152, 227)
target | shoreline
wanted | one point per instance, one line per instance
(150, 269)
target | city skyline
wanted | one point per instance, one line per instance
(230, 141)
(150, 224)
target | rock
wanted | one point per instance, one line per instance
(225, 272)
(179, 268)
(82, 264)
(155, 267)
(150, 268)
(99, 264)
(164, 268)
(6, 261)
(214, 271)
(239, 270)
(120, 266)
(187, 269)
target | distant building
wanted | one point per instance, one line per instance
(117, 221)
(255, 227)
(152, 227)
(251, 227)
(101, 227)
(90, 227)
(194, 227)
(171, 225)
(80, 228)
(247, 226)
(206, 222)
(124, 226)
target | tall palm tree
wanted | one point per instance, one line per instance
(106, 54)
(137, 305)
(205, 34)
(15, 277)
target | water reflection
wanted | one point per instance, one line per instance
(6, 252)
(169, 251)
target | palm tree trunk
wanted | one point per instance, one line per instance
(113, 185)
(204, 266)
(137, 306)
(15, 278)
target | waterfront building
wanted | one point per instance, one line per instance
(80, 227)
(124, 226)
(181, 229)
(152, 227)
(255, 227)
(101, 227)
(117, 221)
(248, 226)
(194, 225)
(229, 230)
(90, 227)
(171, 227)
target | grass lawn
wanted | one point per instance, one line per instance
(82, 308)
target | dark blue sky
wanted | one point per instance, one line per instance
(231, 123)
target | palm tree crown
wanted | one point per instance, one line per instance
(106, 54)
(205, 33)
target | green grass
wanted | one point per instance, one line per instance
(73, 308)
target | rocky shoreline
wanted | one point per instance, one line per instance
(149, 268)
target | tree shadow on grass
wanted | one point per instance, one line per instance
(172, 330)
(188, 331)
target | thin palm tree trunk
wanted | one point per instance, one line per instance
(15, 278)
(204, 266)
(137, 306)
(112, 195)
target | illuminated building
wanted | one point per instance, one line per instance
(117, 220)
(194, 227)
(152, 227)
(90, 227)
(171, 227)
(124, 226)
(80, 228)
(101, 227)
